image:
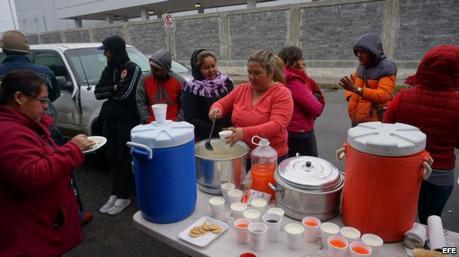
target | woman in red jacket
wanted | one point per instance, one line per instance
(39, 211)
(262, 107)
(308, 103)
(432, 105)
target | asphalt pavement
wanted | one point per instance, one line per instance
(116, 236)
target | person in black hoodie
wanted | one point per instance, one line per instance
(118, 115)
(208, 86)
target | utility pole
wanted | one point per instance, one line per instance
(12, 15)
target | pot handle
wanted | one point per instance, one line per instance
(274, 187)
(427, 171)
(340, 153)
(145, 151)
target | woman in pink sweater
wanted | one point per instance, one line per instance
(262, 107)
(308, 103)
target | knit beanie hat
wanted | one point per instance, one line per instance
(15, 41)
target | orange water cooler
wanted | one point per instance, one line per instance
(384, 166)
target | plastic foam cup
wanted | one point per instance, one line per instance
(350, 233)
(295, 235)
(234, 196)
(259, 204)
(217, 207)
(327, 229)
(257, 235)
(337, 246)
(237, 209)
(159, 110)
(273, 221)
(224, 134)
(311, 228)
(225, 187)
(251, 214)
(359, 249)
(374, 241)
(277, 210)
(242, 230)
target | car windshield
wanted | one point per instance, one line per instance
(179, 68)
(93, 61)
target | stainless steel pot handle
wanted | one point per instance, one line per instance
(144, 147)
(340, 153)
(274, 188)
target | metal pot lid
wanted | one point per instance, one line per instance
(307, 172)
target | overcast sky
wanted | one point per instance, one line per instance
(6, 22)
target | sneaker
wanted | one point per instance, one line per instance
(86, 217)
(119, 206)
(109, 204)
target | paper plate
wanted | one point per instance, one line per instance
(206, 239)
(100, 141)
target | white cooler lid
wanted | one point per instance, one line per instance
(386, 139)
(168, 134)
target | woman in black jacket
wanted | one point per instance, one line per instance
(208, 86)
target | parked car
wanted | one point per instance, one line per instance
(77, 67)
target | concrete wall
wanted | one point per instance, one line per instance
(325, 30)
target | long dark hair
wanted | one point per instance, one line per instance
(24, 81)
(290, 55)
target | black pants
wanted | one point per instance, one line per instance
(303, 143)
(432, 200)
(119, 157)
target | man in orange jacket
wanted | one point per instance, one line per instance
(370, 89)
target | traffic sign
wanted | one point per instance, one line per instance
(168, 21)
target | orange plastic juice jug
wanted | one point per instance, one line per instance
(264, 164)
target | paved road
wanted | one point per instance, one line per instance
(116, 236)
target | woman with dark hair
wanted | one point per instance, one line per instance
(39, 210)
(208, 86)
(308, 103)
(432, 105)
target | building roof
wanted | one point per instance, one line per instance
(121, 9)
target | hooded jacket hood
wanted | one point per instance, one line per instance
(371, 43)
(195, 71)
(117, 47)
(163, 58)
(439, 68)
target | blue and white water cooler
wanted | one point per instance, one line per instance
(164, 170)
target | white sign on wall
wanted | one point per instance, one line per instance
(168, 21)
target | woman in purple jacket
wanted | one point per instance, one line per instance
(308, 103)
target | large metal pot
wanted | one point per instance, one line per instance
(308, 186)
(223, 164)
